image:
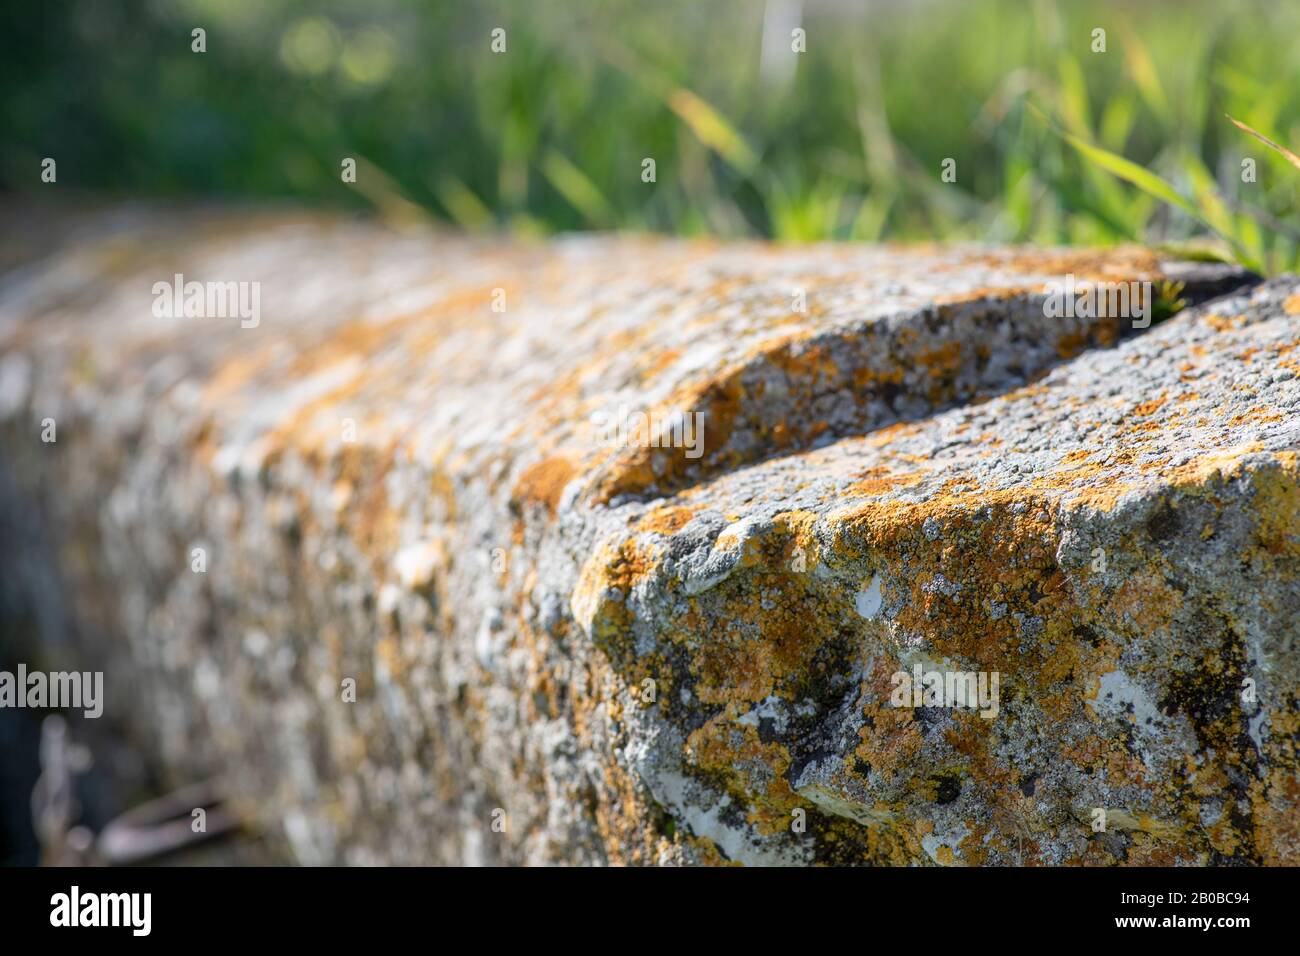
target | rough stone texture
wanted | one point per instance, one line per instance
(919, 469)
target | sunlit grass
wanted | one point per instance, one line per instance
(1053, 142)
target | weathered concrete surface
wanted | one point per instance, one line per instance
(643, 655)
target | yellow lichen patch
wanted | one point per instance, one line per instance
(708, 852)
(1276, 799)
(634, 470)
(234, 374)
(1260, 414)
(1221, 323)
(1219, 464)
(1076, 457)
(735, 753)
(666, 519)
(1224, 836)
(1071, 344)
(1120, 263)
(943, 361)
(618, 803)
(1150, 406)
(543, 482)
(866, 379)
(1151, 850)
(368, 517)
(986, 294)
(890, 737)
(881, 479)
(883, 437)
(656, 363)
(617, 564)
(317, 426)
(1277, 508)
(355, 339)
(388, 655)
(1145, 600)
(809, 363)
(1099, 754)
(734, 668)
(802, 549)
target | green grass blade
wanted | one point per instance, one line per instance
(711, 129)
(1131, 172)
(1289, 156)
(1157, 187)
(575, 186)
(465, 208)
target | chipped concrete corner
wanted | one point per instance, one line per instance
(570, 649)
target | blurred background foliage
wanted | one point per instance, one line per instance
(845, 141)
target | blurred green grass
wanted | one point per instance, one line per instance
(844, 141)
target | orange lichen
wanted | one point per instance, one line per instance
(1222, 323)
(666, 520)
(1150, 406)
(1277, 508)
(544, 481)
(881, 479)
(1119, 263)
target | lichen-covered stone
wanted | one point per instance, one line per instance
(620, 653)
